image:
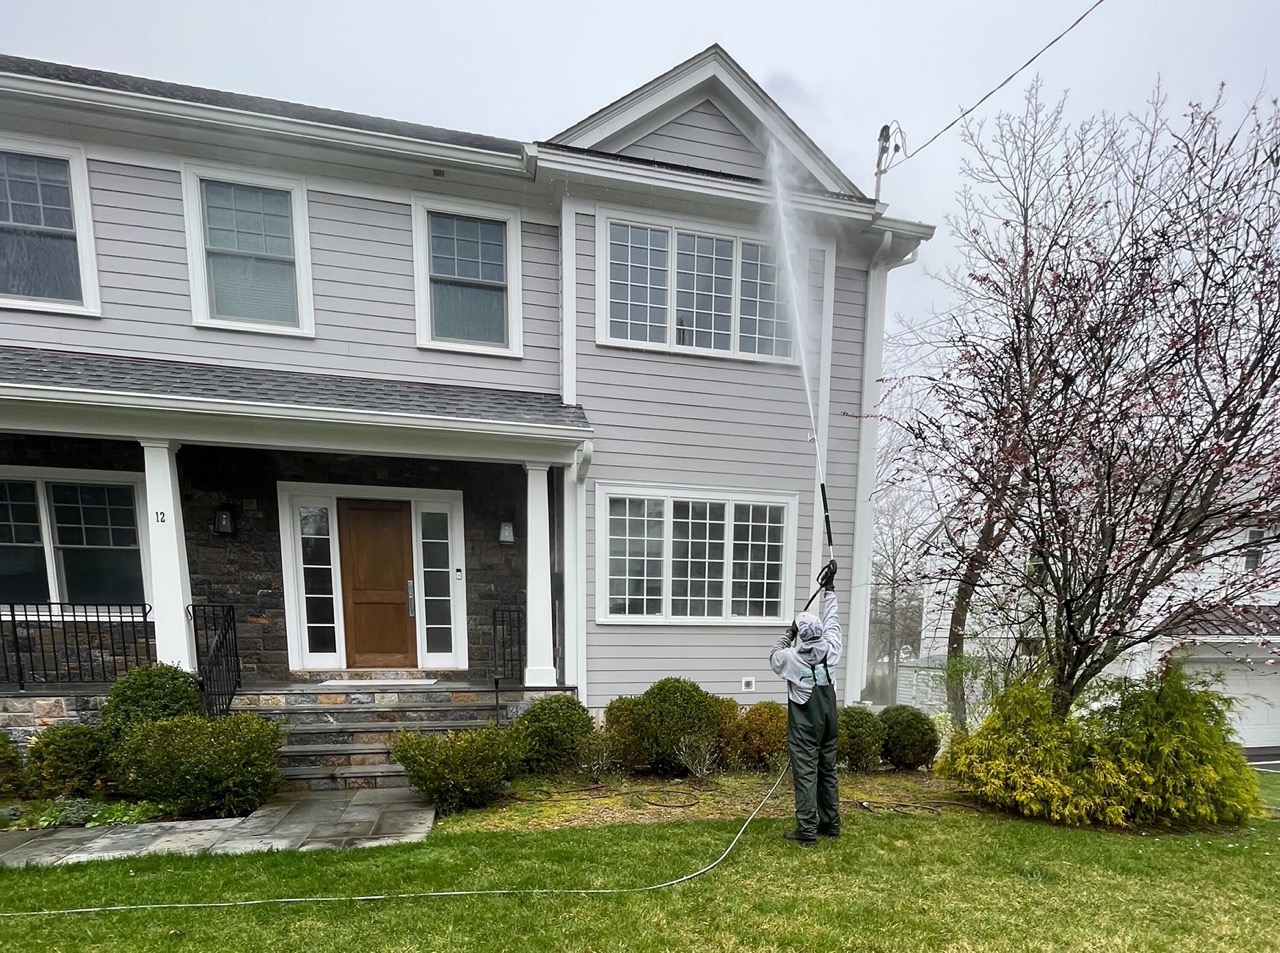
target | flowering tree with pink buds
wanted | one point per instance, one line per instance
(1104, 428)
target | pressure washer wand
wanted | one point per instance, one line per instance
(826, 516)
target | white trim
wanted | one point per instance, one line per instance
(90, 305)
(823, 436)
(42, 476)
(260, 124)
(540, 660)
(568, 301)
(193, 173)
(423, 205)
(291, 495)
(673, 224)
(604, 490)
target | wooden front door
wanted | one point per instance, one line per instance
(376, 542)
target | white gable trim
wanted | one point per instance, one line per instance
(710, 75)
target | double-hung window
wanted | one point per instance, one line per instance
(249, 251)
(46, 238)
(467, 265)
(70, 540)
(690, 289)
(693, 555)
(1253, 556)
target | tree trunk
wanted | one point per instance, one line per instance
(955, 646)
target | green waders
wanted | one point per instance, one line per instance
(811, 743)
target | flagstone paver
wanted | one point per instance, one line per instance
(308, 820)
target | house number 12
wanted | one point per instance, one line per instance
(159, 516)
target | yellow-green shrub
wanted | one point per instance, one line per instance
(459, 769)
(10, 768)
(757, 740)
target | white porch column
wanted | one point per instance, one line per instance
(540, 660)
(167, 549)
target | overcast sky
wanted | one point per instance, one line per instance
(527, 70)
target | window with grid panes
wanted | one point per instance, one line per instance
(250, 253)
(637, 529)
(468, 275)
(763, 327)
(38, 254)
(316, 539)
(759, 531)
(697, 559)
(92, 531)
(638, 283)
(704, 291)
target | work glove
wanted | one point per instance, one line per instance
(827, 577)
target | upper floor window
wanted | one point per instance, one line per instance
(69, 542)
(688, 289)
(467, 287)
(249, 251)
(1253, 556)
(693, 555)
(46, 240)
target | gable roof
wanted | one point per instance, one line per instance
(712, 75)
(259, 105)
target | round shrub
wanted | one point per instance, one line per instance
(198, 766)
(758, 739)
(620, 731)
(149, 694)
(910, 738)
(597, 756)
(10, 768)
(861, 738)
(67, 761)
(670, 711)
(550, 731)
(459, 769)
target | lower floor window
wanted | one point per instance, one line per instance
(69, 542)
(683, 556)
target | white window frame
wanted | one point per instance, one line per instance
(197, 255)
(423, 205)
(606, 216)
(42, 477)
(90, 305)
(669, 492)
(292, 495)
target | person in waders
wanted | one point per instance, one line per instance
(805, 657)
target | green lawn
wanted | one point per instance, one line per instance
(1269, 781)
(958, 881)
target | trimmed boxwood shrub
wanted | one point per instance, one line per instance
(670, 711)
(67, 761)
(862, 737)
(758, 739)
(620, 731)
(910, 738)
(149, 694)
(550, 731)
(202, 766)
(10, 768)
(460, 769)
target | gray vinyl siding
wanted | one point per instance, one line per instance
(362, 281)
(704, 138)
(691, 421)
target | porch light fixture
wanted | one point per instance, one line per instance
(224, 520)
(507, 534)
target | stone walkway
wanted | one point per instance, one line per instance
(311, 820)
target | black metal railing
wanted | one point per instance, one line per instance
(507, 658)
(217, 655)
(64, 642)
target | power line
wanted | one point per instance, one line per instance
(1005, 82)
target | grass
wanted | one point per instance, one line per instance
(1269, 783)
(957, 881)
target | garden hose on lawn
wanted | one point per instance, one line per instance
(416, 895)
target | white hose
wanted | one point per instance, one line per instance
(582, 891)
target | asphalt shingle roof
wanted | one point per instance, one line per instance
(79, 76)
(33, 367)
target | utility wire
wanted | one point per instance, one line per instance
(1005, 82)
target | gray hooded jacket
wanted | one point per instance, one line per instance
(817, 640)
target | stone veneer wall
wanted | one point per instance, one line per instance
(244, 570)
(22, 717)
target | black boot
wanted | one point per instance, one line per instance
(795, 838)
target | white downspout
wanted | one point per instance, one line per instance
(859, 617)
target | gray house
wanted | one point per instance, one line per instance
(354, 416)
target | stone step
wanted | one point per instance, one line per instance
(331, 778)
(377, 732)
(359, 699)
(334, 755)
(330, 715)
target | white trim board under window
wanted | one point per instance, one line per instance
(60, 190)
(443, 288)
(721, 298)
(250, 246)
(119, 518)
(315, 632)
(671, 569)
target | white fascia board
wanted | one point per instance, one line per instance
(611, 172)
(290, 412)
(225, 117)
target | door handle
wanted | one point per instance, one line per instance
(412, 607)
